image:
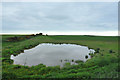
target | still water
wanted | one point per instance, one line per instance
(52, 54)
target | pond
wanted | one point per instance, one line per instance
(53, 55)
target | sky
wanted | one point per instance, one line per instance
(60, 18)
(60, 0)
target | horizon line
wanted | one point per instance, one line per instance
(97, 33)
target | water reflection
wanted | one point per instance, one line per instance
(52, 54)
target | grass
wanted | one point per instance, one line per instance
(102, 65)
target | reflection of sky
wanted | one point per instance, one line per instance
(52, 54)
(65, 17)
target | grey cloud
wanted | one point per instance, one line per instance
(60, 16)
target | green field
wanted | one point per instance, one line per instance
(101, 65)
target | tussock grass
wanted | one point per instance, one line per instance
(102, 65)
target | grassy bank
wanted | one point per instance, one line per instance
(102, 65)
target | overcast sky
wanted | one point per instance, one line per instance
(60, 17)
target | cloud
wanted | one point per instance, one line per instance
(62, 16)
